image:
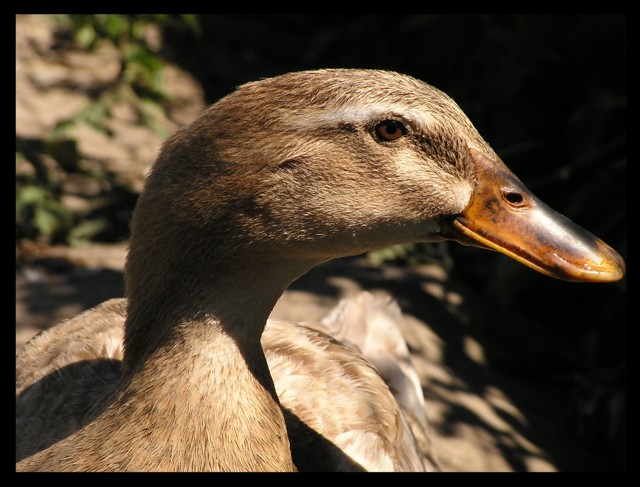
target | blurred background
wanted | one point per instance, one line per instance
(97, 94)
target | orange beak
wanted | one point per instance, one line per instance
(503, 215)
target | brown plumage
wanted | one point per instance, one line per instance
(277, 177)
(89, 346)
(371, 324)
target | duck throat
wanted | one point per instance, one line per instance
(230, 297)
(180, 275)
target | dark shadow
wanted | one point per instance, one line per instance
(88, 386)
(53, 294)
(312, 452)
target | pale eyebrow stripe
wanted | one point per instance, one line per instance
(309, 119)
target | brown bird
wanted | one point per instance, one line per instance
(279, 176)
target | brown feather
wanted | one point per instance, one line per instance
(74, 354)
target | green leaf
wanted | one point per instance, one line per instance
(51, 218)
(86, 36)
(64, 126)
(31, 195)
(46, 221)
(149, 111)
(86, 231)
(116, 26)
(137, 30)
(191, 21)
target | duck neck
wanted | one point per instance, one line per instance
(225, 298)
(194, 341)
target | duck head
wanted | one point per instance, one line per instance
(315, 165)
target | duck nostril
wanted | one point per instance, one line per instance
(513, 197)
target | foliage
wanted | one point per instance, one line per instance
(40, 212)
(140, 81)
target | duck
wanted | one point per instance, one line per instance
(279, 176)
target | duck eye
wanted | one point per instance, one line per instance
(390, 130)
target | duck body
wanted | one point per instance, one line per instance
(320, 441)
(280, 176)
(165, 435)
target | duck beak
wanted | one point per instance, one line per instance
(503, 215)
